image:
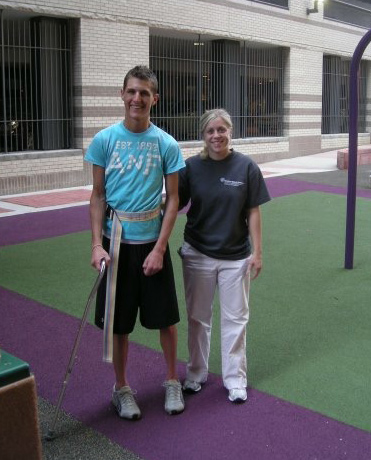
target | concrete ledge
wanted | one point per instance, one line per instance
(363, 157)
(39, 154)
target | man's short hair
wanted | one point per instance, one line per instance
(143, 73)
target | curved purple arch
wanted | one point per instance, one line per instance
(353, 145)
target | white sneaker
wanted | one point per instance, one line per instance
(125, 404)
(174, 402)
(237, 395)
(190, 386)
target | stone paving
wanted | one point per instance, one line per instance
(60, 198)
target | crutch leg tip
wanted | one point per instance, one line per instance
(50, 435)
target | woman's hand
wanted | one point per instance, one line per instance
(255, 266)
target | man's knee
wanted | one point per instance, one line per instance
(169, 330)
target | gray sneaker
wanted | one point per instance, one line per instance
(190, 386)
(125, 404)
(174, 402)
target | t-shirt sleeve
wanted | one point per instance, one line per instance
(258, 193)
(183, 188)
(173, 158)
(96, 153)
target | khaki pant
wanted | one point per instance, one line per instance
(202, 276)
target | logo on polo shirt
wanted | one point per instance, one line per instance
(231, 183)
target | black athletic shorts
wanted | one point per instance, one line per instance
(154, 296)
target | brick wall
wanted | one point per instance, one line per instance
(108, 50)
(111, 37)
(28, 172)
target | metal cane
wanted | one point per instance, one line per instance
(51, 433)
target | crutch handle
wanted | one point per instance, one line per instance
(102, 266)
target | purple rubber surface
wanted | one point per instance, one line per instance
(211, 427)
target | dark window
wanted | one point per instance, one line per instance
(355, 12)
(35, 84)
(281, 3)
(199, 74)
(335, 96)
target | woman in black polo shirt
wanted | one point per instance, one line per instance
(225, 189)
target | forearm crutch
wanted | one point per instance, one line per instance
(51, 432)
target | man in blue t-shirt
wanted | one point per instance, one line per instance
(132, 160)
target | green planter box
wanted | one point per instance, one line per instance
(12, 369)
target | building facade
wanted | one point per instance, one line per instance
(280, 67)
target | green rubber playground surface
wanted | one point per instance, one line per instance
(309, 337)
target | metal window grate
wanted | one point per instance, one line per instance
(335, 95)
(35, 83)
(197, 74)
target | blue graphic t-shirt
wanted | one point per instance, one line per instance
(135, 164)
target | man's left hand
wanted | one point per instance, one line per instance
(153, 263)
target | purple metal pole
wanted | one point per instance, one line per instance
(353, 145)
